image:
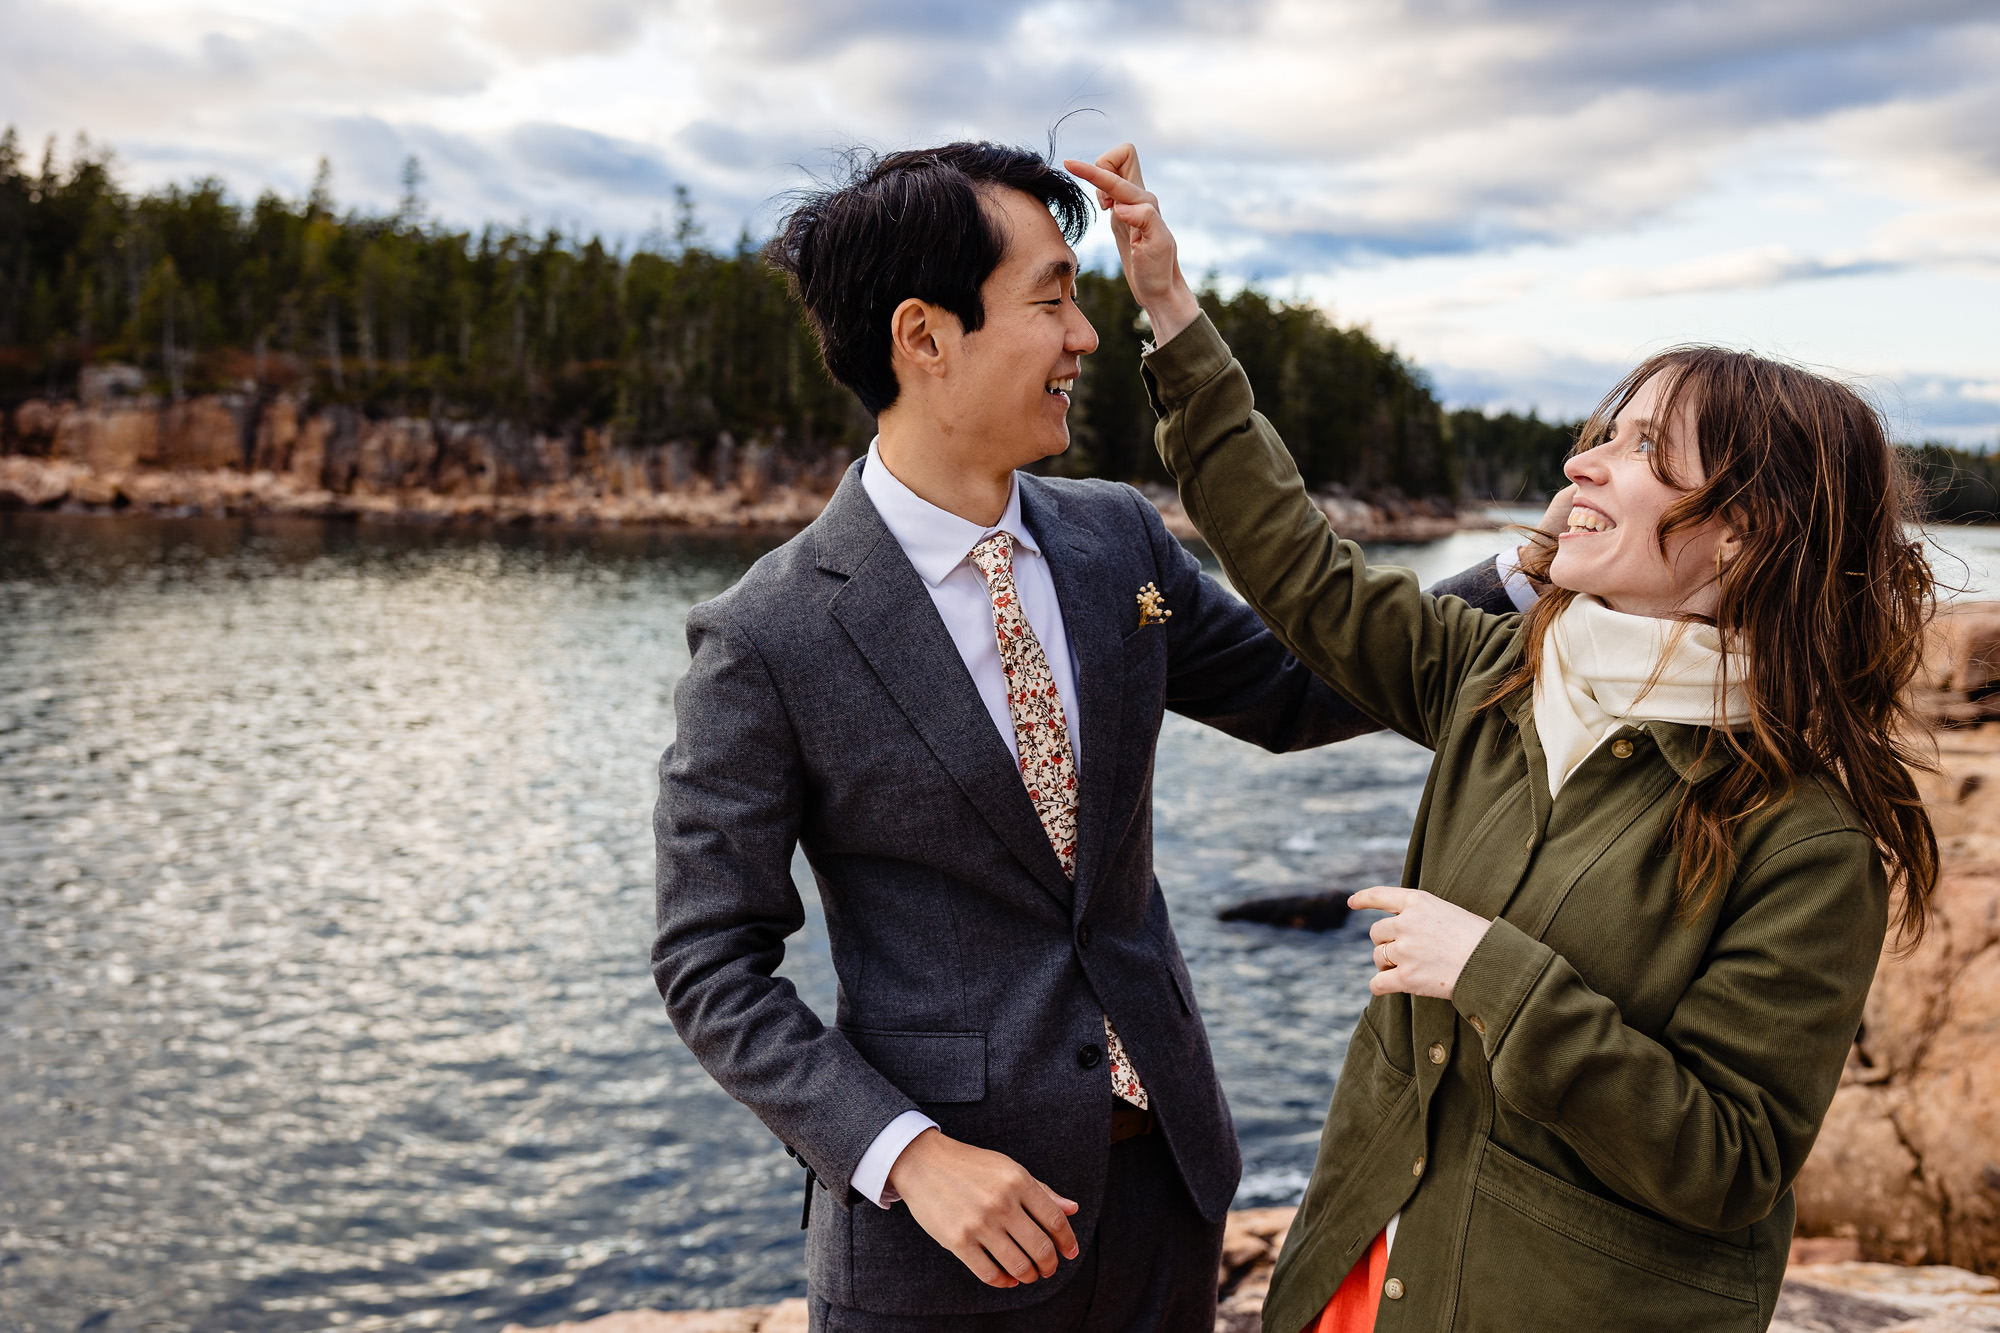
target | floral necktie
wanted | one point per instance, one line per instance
(1048, 765)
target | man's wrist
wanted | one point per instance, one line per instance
(878, 1164)
(909, 1160)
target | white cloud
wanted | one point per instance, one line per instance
(1519, 192)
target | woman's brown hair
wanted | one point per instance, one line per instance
(1827, 598)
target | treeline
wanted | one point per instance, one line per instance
(674, 339)
(1958, 485)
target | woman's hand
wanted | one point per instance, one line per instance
(1145, 246)
(1423, 947)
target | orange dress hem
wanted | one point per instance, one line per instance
(1352, 1309)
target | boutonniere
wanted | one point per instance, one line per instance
(1152, 607)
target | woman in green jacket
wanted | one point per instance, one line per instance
(1670, 813)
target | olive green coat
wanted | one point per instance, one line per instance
(1599, 1130)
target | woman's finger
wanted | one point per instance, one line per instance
(1382, 898)
(1384, 930)
(1124, 159)
(1110, 183)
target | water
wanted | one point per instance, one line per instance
(325, 898)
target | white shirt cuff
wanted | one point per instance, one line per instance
(871, 1177)
(1519, 591)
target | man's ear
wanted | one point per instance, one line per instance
(918, 331)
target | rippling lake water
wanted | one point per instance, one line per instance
(325, 899)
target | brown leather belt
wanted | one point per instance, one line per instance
(1128, 1121)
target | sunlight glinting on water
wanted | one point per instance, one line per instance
(325, 901)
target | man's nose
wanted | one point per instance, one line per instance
(1081, 337)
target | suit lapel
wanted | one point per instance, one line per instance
(888, 613)
(1091, 610)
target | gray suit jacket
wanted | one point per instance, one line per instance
(827, 706)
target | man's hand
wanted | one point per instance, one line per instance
(1002, 1223)
(1422, 949)
(1554, 520)
(1145, 246)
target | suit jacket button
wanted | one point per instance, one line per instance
(1478, 1024)
(1622, 748)
(1417, 1168)
(1083, 937)
(1089, 1054)
(1437, 1052)
(1393, 1289)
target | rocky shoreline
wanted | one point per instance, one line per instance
(1820, 1295)
(225, 455)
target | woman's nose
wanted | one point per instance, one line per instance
(1586, 466)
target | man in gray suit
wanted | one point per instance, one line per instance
(948, 689)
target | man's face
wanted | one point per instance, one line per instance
(1008, 391)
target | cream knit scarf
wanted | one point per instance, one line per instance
(1593, 676)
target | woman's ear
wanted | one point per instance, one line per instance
(913, 336)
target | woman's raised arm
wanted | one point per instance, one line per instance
(1397, 653)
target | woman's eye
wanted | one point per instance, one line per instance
(1643, 445)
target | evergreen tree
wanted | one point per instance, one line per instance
(678, 340)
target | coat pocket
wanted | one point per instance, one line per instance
(1542, 1253)
(926, 1066)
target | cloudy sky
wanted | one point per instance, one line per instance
(1524, 196)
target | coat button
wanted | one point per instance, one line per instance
(1089, 1054)
(1083, 936)
(1417, 1167)
(1437, 1052)
(1530, 845)
(1622, 748)
(1393, 1289)
(1478, 1024)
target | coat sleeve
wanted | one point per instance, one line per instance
(1479, 587)
(1227, 669)
(731, 800)
(1394, 651)
(1708, 1123)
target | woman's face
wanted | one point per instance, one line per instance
(1611, 549)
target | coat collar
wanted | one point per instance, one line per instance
(886, 611)
(885, 608)
(1094, 612)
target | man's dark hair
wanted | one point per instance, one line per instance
(907, 225)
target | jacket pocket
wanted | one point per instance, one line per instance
(926, 1066)
(1373, 1065)
(1542, 1253)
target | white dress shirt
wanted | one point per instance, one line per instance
(1519, 591)
(937, 543)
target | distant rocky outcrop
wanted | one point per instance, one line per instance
(280, 454)
(220, 454)
(1376, 518)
